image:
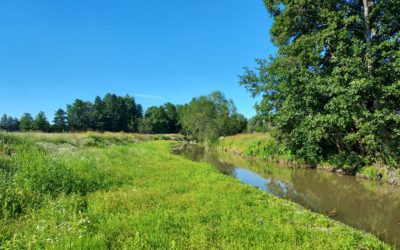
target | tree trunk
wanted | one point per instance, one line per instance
(368, 32)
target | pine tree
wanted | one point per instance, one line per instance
(60, 121)
(4, 123)
(80, 116)
(12, 124)
(98, 114)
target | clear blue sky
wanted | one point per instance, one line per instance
(53, 52)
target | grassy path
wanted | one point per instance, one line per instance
(139, 196)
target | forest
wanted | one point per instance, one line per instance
(204, 118)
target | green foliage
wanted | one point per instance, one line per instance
(121, 114)
(160, 120)
(371, 172)
(4, 122)
(26, 122)
(29, 176)
(155, 121)
(206, 118)
(99, 114)
(172, 118)
(266, 149)
(112, 113)
(8, 123)
(151, 200)
(80, 116)
(260, 145)
(257, 124)
(60, 121)
(333, 91)
(40, 123)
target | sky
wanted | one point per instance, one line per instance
(52, 52)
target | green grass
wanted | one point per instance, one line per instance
(260, 145)
(137, 195)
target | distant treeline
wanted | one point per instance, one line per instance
(204, 118)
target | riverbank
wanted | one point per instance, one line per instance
(130, 192)
(263, 146)
(339, 197)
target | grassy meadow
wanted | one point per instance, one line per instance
(126, 191)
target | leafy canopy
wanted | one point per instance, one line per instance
(206, 118)
(332, 92)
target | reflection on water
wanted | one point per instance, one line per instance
(371, 206)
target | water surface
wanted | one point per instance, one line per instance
(367, 205)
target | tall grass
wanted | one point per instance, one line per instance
(29, 175)
(260, 145)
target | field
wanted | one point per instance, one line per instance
(122, 191)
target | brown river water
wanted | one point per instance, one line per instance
(367, 205)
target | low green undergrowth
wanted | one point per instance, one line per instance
(260, 145)
(29, 175)
(265, 147)
(139, 196)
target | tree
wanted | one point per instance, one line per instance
(160, 120)
(60, 121)
(257, 124)
(98, 114)
(206, 118)
(4, 122)
(9, 123)
(26, 122)
(333, 90)
(238, 123)
(111, 113)
(155, 121)
(12, 124)
(80, 116)
(114, 113)
(41, 123)
(171, 112)
(133, 114)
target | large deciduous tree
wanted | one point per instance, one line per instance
(41, 123)
(206, 118)
(155, 121)
(26, 122)
(172, 118)
(332, 92)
